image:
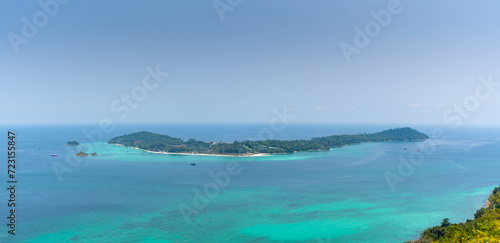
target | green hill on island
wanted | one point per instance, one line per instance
(484, 228)
(163, 143)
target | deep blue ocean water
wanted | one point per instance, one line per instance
(342, 195)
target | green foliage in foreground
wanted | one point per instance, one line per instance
(163, 143)
(484, 228)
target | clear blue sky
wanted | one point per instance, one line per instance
(262, 55)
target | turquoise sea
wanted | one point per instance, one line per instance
(342, 195)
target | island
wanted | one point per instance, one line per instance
(72, 143)
(485, 227)
(83, 154)
(158, 143)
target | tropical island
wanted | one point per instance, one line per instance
(158, 143)
(72, 143)
(83, 154)
(485, 227)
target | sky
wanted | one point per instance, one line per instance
(404, 62)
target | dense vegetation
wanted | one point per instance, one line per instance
(163, 143)
(83, 154)
(484, 228)
(74, 143)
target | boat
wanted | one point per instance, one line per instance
(405, 149)
(193, 164)
(53, 155)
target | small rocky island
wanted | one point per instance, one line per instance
(72, 143)
(158, 143)
(83, 154)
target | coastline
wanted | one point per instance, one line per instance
(478, 229)
(154, 143)
(195, 154)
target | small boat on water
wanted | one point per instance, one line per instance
(193, 164)
(405, 149)
(53, 155)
